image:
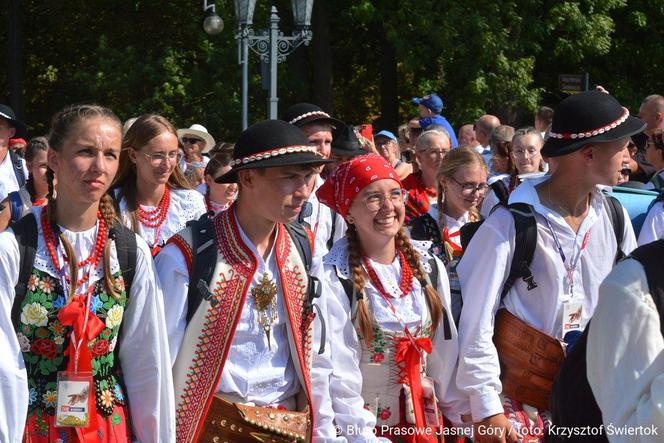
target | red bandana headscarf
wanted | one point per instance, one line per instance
(350, 177)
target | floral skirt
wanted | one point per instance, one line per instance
(531, 424)
(41, 428)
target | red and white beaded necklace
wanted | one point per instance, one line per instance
(155, 218)
(92, 261)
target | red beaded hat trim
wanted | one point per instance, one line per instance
(594, 132)
(274, 153)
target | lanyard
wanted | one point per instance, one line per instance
(571, 269)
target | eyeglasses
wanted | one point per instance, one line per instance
(436, 152)
(522, 152)
(376, 201)
(191, 141)
(158, 158)
(471, 188)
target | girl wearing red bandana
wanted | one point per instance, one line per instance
(154, 197)
(461, 183)
(399, 348)
(75, 316)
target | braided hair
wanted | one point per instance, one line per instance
(403, 244)
(61, 126)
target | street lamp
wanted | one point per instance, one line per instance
(212, 24)
(271, 45)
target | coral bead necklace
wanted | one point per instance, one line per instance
(95, 256)
(406, 284)
(155, 218)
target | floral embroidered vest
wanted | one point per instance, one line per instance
(44, 340)
(384, 387)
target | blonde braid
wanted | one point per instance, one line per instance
(355, 262)
(434, 303)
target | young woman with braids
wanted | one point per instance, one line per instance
(394, 343)
(526, 159)
(155, 199)
(461, 183)
(74, 313)
(218, 196)
(33, 193)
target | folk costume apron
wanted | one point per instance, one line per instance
(210, 332)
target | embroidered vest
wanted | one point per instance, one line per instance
(43, 341)
(209, 334)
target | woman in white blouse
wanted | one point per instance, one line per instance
(79, 317)
(155, 199)
(461, 185)
(392, 336)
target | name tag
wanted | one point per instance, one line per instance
(74, 399)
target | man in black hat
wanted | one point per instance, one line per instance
(574, 249)
(345, 145)
(13, 172)
(317, 125)
(245, 334)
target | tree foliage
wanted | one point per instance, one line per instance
(495, 56)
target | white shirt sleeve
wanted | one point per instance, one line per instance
(653, 225)
(624, 355)
(481, 283)
(13, 378)
(442, 363)
(174, 279)
(355, 422)
(490, 200)
(145, 358)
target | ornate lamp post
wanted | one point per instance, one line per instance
(271, 45)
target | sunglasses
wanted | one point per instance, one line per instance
(191, 141)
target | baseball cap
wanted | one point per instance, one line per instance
(431, 101)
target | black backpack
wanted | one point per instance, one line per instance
(25, 231)
(204, 260)
(526, 239)
(572, 401)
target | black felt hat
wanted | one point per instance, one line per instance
(269, 144)
(8, 113)
(345, 142)
(588, 117)
(304, 113)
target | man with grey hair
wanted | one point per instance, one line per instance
(651, 111)
(430, 149)
(483, 128)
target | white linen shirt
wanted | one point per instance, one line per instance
(252, 371)
(143, 345)
(625, 357)
(346, 380)
(653, 226)
(320, 221)
(8, 181)
(542, 307)
(186, 205)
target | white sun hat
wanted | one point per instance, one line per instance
(199, 131)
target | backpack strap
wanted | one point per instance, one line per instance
(25, 231)
(17, 164)
(125, 246)
(613, 207)
(501, 191)
(16, 205)
(650, 257)
(657, 182)
(303, 244)
(203, 262)
(525, 242)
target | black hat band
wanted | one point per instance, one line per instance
(594, 132)
(273, 153)
(309, 114)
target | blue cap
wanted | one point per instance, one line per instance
(431, 101)
(387, 134)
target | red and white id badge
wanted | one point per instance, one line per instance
(430, 402)
(571, 320)
(74, 399)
